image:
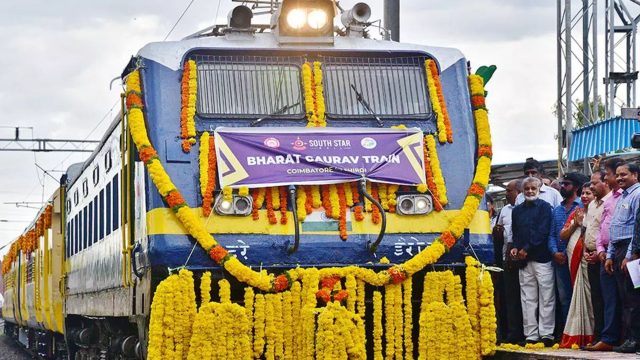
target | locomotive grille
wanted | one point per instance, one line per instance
(393, 87)
(249, 86)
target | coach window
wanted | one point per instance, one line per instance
(85, 188)
(96, 175)
(76, 238)
(67, 240)
(101, 214)
(107, 161)
(108, 210)
(76, 198)
(68, 207)
(96, 223)
(115, 202)
(90, 226)
(85, 232)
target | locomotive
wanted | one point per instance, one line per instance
(296, 144)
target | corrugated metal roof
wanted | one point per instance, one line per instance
(602, 137)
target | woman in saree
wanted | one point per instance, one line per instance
(578, 330)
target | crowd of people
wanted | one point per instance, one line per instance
(564, 246)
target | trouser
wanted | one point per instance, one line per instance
(630, 297)
(564, 293)
(538, 300)
(593, 270)
(514, 329)
(611, 302)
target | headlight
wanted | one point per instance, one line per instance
(317, 19)
(238, 205)
(296, 18)
(414, 204)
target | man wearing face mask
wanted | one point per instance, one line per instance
(531, 224)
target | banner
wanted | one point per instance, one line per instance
(284, 156)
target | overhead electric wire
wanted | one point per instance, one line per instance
(180, 18)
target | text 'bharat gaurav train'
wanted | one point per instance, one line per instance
(294, 190)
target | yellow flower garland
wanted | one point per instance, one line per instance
(205, 288)
(407, 288)
(224, 291)
(430, 143)
(390, 303)
(487, 316)
(377, 325)
(259, 326)
(435, 103)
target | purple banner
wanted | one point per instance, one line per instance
(282, 156)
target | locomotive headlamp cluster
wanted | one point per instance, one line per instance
(305, 20)
(238, 205)
(414, 204)
(299, 18)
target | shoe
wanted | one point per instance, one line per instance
(629, 346)
(599, 346)
(548, 342)
(528, 341)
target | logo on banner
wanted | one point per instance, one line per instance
(272, 143)
(368, 143)
(299, 145)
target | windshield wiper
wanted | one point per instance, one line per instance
(280, 111)
(365, 104)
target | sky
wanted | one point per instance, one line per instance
(59, 57)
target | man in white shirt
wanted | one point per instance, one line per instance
(513, 310)
(533, 168)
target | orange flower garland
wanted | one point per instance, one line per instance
(188, 110)
(433, 70)
(430, 144)
(254, 205)
(342, 223)
(357, 209)
(431, 185)
(375, 212)
(271, 215)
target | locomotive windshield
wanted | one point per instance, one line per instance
(249, 86)
(354, 87)
(392, 87)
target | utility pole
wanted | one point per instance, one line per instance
(18, 143)
(392, 19)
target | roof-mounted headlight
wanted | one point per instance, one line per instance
(305, 21)
(414, 204)
(238, 205)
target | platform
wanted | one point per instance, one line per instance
(560, 354)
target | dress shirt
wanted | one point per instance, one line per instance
(547, 193)
(560, 216)
(609, 206)
(531, 223)
(624, 218)
(591, 222)
(504, 219)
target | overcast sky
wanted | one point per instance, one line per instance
(58, 58)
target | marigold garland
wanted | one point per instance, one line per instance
(188, 111)
(271, 215)
(445, 124)
(430, 144)
(205, 288)
(301, 204)
(377, 325)
(407, 290)
(390, 304)
(375, 212)
(342, 205)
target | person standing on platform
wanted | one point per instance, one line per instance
(610, 334)
(512, 313)
(570, 189)
(531, 224)
(621, 231)
(533, 168)
(591, 223)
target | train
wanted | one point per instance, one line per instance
(255, 149)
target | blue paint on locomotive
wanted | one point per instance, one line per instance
(162, 96)
(271, 250)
